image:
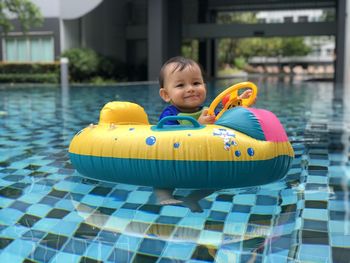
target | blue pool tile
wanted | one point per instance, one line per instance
(221, 206)
(4, 202)
(315, 214)
(99, 251)
(74, 217)
(65, 204)
(314, 253)
(168, 220)
(186, 234)
(92, 200)
(108, 236)
(210, 238)
(74, 187)
(244, 199)
(138, 197)
(65, 228)
(236, 217)
(110, 202)
(176, 211)
(42, 254)
(151, 246)
(129, 243)
(10, 257)
(193, 222)
(145, 216)
(76, 246)
(117, 224)
(336, 205)
(120, 255)
(169, 260)
(235, 228)
(217, 215)
(339, 226)
(265, 200)
(46, 224)
(20, 206)
(33, 235)
(39, 210)
(340, 240)
(9, 216)
(125, 213)
(227, 255)
(284, 229)
(31, 197)
(15, 233)
(28, 220)
(181, 251)
(66, 257)
(315, 195)
(53, 241)
(4, 183)
(119, 194)
(265, 210)
(241, 208)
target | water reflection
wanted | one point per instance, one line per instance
(304, 217)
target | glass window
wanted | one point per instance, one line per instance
(302, 19)
(29, 49)
(288, 19)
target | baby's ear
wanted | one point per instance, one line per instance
(164, 95)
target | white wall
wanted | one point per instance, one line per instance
(278, 16)
(48, 8)
(66, 9)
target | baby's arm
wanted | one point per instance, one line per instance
(205, 118)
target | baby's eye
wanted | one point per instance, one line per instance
(197, 83)
(180, 85)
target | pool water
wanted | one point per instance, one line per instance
(49, 213)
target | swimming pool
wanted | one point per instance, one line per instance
(51, 214)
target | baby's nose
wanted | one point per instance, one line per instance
(190, 88)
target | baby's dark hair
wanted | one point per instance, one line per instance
(180, 64)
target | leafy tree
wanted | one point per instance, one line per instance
(294, 46)
(25, 11)
(229, 46)
(232, 49)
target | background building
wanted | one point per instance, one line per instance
(144, 33)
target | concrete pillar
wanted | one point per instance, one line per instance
(341, 42)
(207, 56)
(64, 72)
(347, 45)
(164, 33)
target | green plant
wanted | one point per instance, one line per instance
(240, 62)
(83, 63)
(29, 78)
(110, 68)
(26, 68)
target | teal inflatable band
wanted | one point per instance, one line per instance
(182, 174)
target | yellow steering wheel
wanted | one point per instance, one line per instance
(234, 99)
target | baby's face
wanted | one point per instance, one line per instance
(184, 89)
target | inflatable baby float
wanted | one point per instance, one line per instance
(245, 147)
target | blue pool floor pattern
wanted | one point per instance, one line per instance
(49, 213)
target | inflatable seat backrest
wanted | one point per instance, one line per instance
(122, 112)
(257, 123)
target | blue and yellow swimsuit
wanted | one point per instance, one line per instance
(171, 110)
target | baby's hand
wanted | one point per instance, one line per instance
(205, 118)
(246, 94)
